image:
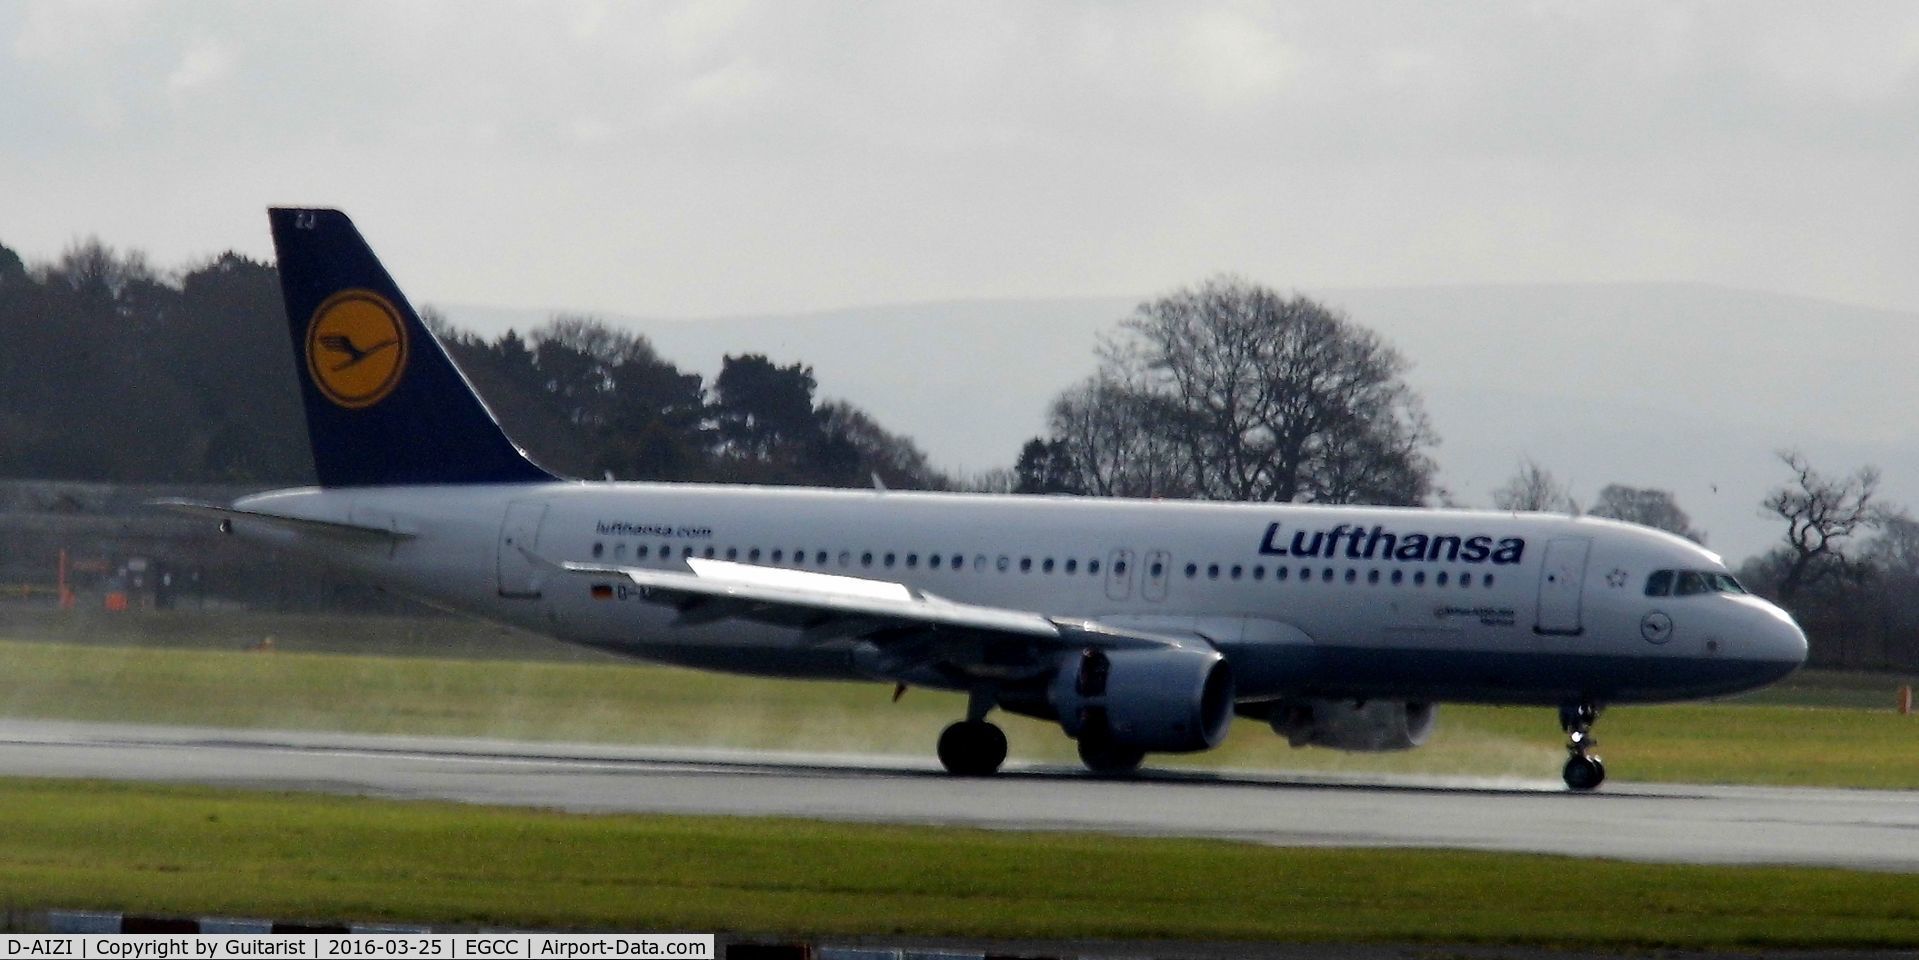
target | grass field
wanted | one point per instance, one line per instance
(455, 678)
(186, 851)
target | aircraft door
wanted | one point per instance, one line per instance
(519, 576)
(1159, 566)
(1119, 574)
(1561, 580)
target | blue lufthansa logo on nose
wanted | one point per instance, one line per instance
(1656, 627)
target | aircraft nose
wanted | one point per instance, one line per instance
(1780, 640)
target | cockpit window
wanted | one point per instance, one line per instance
(1689, 583)
(1685, 583)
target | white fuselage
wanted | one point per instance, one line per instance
(1303, 600)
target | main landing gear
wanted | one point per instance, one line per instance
(1106, 758)
(1584, 771)
(973, 747)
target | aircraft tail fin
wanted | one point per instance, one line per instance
(384, 403)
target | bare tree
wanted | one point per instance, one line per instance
(1114, 437)
(1533, 487)
(1648, 506)
(995, 480)
(1821, 514)
(1255, 396)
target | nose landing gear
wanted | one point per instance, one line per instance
(1583, 771)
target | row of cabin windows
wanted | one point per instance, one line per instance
(823, 558)
(1328, 574)
(1071, 565)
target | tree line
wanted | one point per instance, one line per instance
(115, 371)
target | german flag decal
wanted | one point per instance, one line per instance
(602, 591)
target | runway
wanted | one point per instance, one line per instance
(1859, 829)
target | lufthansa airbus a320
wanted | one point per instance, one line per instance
(1138, 627)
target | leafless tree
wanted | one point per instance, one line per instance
(1821, 514)
(1533, 487)
(1114, 436)
(995, 480)
(1648, 506)
(1254, 396)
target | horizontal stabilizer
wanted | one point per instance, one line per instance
(329, 528)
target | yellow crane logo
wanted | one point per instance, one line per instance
(356, 348)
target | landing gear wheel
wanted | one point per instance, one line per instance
(1584, 772)
(972, 748)
(1109, 759)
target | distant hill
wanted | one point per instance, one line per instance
(1682, 386)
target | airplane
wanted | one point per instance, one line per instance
(1139, 627)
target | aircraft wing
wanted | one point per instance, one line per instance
(827, 606)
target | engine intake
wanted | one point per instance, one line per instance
(1172, 700)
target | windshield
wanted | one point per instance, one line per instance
(1684, 583)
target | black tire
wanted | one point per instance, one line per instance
(972, 748)
(1584, 773)
(1108, 759)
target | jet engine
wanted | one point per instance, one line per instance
(1169, 700)
(1362, 726)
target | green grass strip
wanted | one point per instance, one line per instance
(194, 851)
(1801, 735)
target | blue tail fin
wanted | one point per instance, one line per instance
(384, 403)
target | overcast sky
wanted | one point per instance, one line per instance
(689, 159)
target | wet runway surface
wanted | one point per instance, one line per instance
(1862, 829)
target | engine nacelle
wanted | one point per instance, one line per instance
(1370, 726)
(1170, 700)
